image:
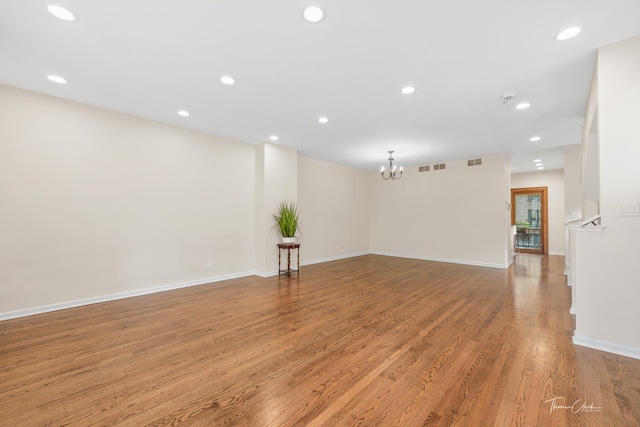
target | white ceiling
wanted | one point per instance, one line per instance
(151, 58)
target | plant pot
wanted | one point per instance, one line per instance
(288, 240)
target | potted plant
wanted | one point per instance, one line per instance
(286, 221)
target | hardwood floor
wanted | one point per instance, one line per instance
(364, 341)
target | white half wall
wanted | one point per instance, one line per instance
(455, 215)
(99, 203)
(608, 288)
(554, 181)
(334, 210)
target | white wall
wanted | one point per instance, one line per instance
(607, 281)
(334, 210)
(457, 214)
(573, 191)
(554, 181)
(276, 181)
(97, 203)
(573, 205)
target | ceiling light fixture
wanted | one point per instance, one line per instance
(313, 14)
(537, 161)
(408, 89)
(392, 170)
(523, 106)
(323, 119)
(540, 168)
(183, 113)
(535, 139)
(228, 80)
(273, 138)
(568, 33)
(56, 79)
(61, 13)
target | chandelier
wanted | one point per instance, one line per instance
(392, 170)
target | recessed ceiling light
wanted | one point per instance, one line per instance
(273, 138)
(61, 13)
(56, 79)
(523, 105)
(408, 89)
(183, 113)
(313, 14)
(535, 139)
(568, 33)
(540, 168)
(537, 161)
(323, 119)
(228, 80)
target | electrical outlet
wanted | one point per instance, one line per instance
(209, 266)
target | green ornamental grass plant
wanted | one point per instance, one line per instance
(286, 219)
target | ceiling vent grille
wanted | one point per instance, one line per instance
(424, 168)
(439, 167)
(474, 162)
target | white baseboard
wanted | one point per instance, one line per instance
(609, 347)
(556, 253)
(112, 297)
(265, 274)
(311, 262)
(452, 261)
(334, 258)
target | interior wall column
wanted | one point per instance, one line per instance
(276, 180)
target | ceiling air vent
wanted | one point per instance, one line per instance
(439, 167)
(474, 162)
(424, 168)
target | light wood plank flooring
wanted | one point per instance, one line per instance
(370, 341)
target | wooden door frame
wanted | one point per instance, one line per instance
(545, 214)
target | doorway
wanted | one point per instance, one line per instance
(529, 216)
